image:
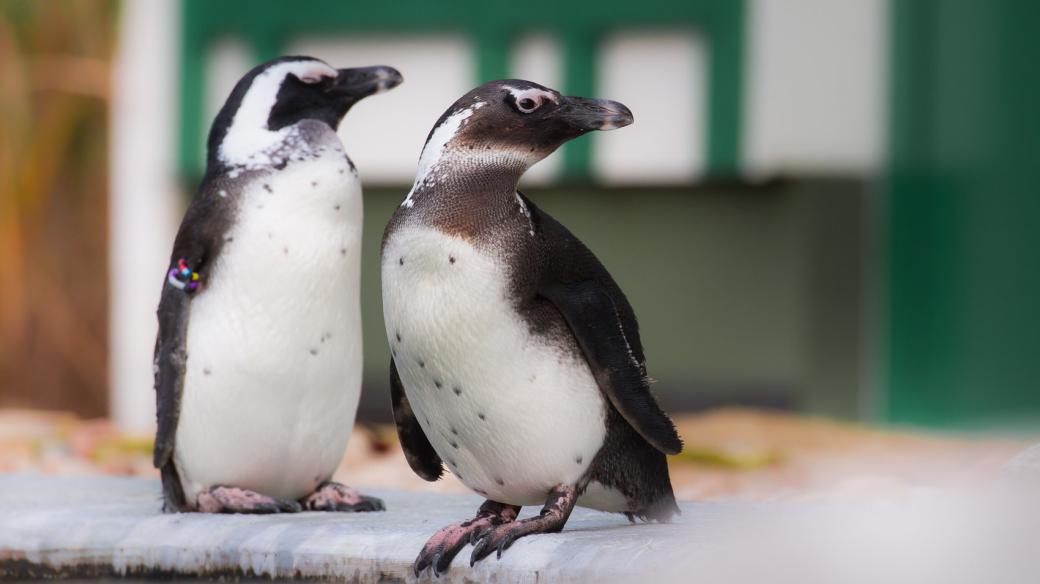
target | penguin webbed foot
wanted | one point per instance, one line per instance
(552, 518)
(333, 496)
(221, 499)
(442, 548)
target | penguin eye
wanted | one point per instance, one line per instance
(311, 79)
(527, 105)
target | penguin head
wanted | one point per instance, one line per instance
(521, 121)
(283, 92)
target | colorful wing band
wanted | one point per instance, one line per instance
(182, 277)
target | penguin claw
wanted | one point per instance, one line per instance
(498, 540)
(487, 544)
(478, 552)
(420, 564)
(438, 553)
(441, 563)
(332, 496)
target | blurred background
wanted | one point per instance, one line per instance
(825, 207)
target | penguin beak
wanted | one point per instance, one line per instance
(584, 114)
(361, 82)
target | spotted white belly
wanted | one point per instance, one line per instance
(274, 340)
(510, 414)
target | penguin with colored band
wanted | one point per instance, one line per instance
(516, 358)
(258, 357)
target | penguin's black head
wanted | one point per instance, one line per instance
(285, 91)
(522, 119)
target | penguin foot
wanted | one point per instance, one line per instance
(235, 500)
(333, 496)
(442, 548)
(551, 520)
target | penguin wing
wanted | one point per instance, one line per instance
(198, 243)
(605, 326)
(417, 449)
(169, 364)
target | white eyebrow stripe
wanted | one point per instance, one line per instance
(248, 134)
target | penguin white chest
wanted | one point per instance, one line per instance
(511, 413)
(274, 337)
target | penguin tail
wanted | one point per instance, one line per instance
(627, 463)
(660, 510)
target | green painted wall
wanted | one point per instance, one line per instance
(963, 343)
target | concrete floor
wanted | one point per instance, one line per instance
(80, 527)
(101, 526)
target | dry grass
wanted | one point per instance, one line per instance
(54, 96)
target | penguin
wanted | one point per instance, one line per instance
(258, 357)
(516, 358)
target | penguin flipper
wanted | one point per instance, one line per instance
(604, 324)
(196, 247)
(169, 362)
(417, 449)
(170, 359)
(596, 323)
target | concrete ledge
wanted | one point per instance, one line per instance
(87, 527)
(98, 526)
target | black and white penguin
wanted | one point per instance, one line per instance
(516, 358)
(258, 357)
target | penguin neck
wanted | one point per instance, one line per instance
(467, 191)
